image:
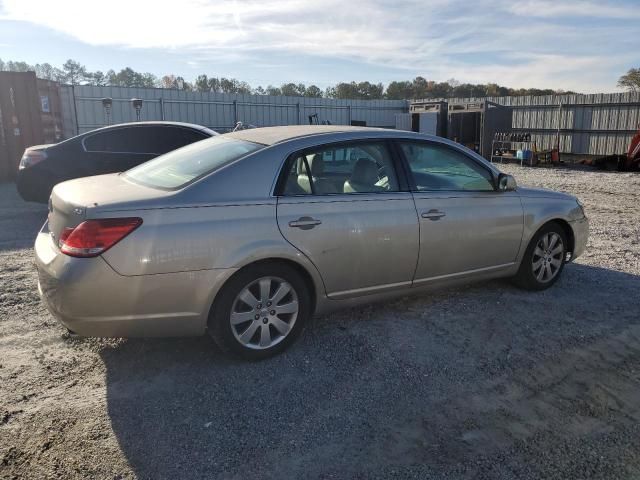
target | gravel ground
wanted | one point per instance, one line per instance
(485, 381)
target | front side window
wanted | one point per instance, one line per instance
(179, 167)
(363, 167)
(439, 167)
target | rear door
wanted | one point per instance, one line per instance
(118, 149)
(350, 218)
(466, 225)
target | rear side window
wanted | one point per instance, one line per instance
(172, 138)
(362, 167)
(179, 167)
(439, 167)
(142, 139)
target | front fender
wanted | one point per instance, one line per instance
(540, 210)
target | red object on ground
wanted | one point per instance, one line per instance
(633, 155)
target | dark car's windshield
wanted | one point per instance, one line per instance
(175, 169)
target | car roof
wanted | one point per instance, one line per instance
(164, 123)
(273, 135)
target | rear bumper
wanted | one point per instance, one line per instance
(581, 236)
(32, 186)
(87, 296)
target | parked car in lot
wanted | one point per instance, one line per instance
(110, 149)
(248, 234)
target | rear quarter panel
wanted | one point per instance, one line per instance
(204, 238)
(200, 238)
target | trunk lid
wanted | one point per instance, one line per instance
(74, 201)
(63, 213)
(39, 147)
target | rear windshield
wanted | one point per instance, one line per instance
(175, 169)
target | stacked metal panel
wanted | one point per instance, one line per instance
(594, 124)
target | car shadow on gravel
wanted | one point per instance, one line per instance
(448, 383)
(20, 221)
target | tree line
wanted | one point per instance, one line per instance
(631, 80)
(74, 73)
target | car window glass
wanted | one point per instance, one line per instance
(179, 167)
(343, 168)
(439, 167)
(151, 139)
(172, 138)
(117, 140)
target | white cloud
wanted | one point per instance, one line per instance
(573, 9)
(516, 44)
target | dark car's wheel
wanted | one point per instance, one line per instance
(260, 311)
(544, 258)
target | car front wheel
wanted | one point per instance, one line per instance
(544, 258)
(260, 311)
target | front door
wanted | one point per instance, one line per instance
(341, 206)
(466, 226)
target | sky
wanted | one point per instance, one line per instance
(562, 44)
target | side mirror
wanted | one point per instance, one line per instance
(506, 183)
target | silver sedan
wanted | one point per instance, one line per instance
(247, 235)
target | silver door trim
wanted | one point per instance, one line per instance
(460, 274)
(356, 292)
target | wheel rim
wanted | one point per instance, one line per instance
(548, 257)
(264, 313)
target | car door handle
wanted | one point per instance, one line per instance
(304, 223)
(433, 214)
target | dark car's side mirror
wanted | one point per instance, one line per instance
(506, 183)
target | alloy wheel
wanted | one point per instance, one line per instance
(548, 257)
(264, 313)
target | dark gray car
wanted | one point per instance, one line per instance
(110, 149)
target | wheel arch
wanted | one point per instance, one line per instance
(566, 228)
(531, 232)
(314, 283)
(568, 231)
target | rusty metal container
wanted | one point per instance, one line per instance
(20, 119)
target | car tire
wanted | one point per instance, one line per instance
(542, 266)
(260, 311)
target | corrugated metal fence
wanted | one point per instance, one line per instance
(217, 110)
(595, 124)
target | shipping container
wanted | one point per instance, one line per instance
(20, 119)
(474, 124)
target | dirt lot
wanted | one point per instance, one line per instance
(479, 382)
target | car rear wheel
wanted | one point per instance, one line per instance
(544, 258)
(260, 311)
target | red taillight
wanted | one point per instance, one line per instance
(31, 157)
(94, 237)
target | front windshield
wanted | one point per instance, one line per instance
(175, 169)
